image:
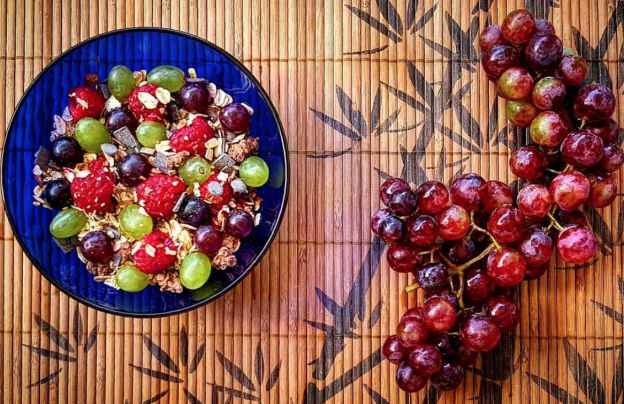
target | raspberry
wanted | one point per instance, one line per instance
(216, 192)
(193, 138)
(84, 102)
(157, 253)
(139, 110)
(93, 194)
(159, 193)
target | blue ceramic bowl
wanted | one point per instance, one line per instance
(30, 127)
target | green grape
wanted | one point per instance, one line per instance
(195, 170)
(568, 51)
(67, 223)
(195, 270)
(130, 279)
(120, 82)
(149, 133)
(254, 171)
(169, 77)
(91, 134)
(209, 289)
(134, 222)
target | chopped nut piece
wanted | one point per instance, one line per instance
(99, 269)
(225, 258)
(148, 100)
(138, 78)
(169, 281)
(248, 108)
(222, 99)
(163, 95)
(112, 103)
(244, 148)
(231, 242)
(212, 89)
(177, 159)
(192, 73)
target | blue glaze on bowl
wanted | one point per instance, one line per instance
(142, 48)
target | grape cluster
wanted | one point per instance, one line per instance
(470, 245)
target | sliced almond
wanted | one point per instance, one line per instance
(170, 252)
(222, 99)
(83, 174)
(138, 78)
(212, 89)
(248, 108)
(150, 250)
(238, 138)
(212, 143)
(112, 103)
(148, 100)
(163, 95)
(82, 102)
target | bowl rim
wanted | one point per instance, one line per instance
(280, 215)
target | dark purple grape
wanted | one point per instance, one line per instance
(506, 267)
(478, 285)
(426, 360)
(438, 314)
(612, 158)
(58, 193)
(518, 26)
(392, 230)
(403, 202)
(208, 239)
(503, 312)
(491, 36)
(404, 258)
(608, 130)
(445, 294)
(572, 70)
(453, 222)
(408, 380)
(573, 217)
(548, 129)
(378, 218)
(133, 169)
(548, 93)
(446, 344)
(449, 378)
(543, 27)
(535, 246)
(602, 191)
(394, 351)
(542, 51)
(582, 149)
(66, 152)
(498, 59)
(239, 224)
(479, 333)
(235, 118)
(515, 83)
(535, 272)
(576, 244)
(528, 163)
(465, 191)
(432, 277)
(433, 196)
(570, 190)
(422, 230)
(594, 102)
(195, 98)
(506, 224)
(458, 251)
(534, 200)
(97, 247)
(118, 118)
(522, 112)
(194, 212)
(465, 356)
(411, 332)
(390, 187)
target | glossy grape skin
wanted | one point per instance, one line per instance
(66, 152)
(548, 93)
(506, 267)
(548, 129)
(120, 82)
(193, 212)
(543, 27)
(118, 118)
(466, 356)
(414, 312)
(572, 70)
(91, 134)
(235, 118)
(446, 344)
(394, 351)
(528, 163)
(521, 113)
(208, 239)
(194, 97)
(408, 380)
(254, 171)
(411, 332)
(534, 200)
(97, 247)
(535, 272)
(479, 333)
(433, 196)
(602, 191)
(515, 83)
(239, 224)
(576, 244)
(491, 36)
(150, 133)
(582, 149)
(506, 224)
(594, 102)
(572, 217)
(503, 311)
(422, 230)
(130, 279)
(403, 202)
(465, 191)
(459, 251)
(392, 230)
(195, 270)
(432, 277)
(518, 26)
(438, 314)
(133, 169)
(68, 223)
(403, 258)
(453, 222)
(378, 218)
(570, 190)
(58, 193)
(478, 285)
(542, 52)
(608, 130)
(195, 170)
(134, 222)
(535, 246)
(169, 77)
(612, 158)
(498, 59)
(445, 294)
(426, 360)
(389, 187)
(449, 378)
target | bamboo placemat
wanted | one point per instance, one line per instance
(365, 89)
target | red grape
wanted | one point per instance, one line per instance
(594, 102)
(446, 294)
(465, 356)
(506, 267)
(534, 200)
(403, 258)
(506, 224)
(478, 285)
(208, 239)
(548, 93)
(503, 312)
(378, 218)
(403, 202)
(572, 217)
(521, 113)
(438, 314)
(432, 277)
(535, 246)
(570, 190)
(548, 129)
(608, 130)
(422, 230)
(602, 191)
(446, 344)
(412, 332)
(528, 163)
(235, 118)
(543, 27)
(433, 196)
(542, 52)
(460, 250)
(518, 26)
(240, 224)
(408, 380)
(515, 83)
(97, 246)
(582, 149)
(612, 158)
(479, 333)
(426, 360)
(498, 59)
(394, 351)
(491, 36)
(572, 70)
(449, 378)
(576, 244)
(390, 186)
(391, 230)
(414, 312)
(465, 191)
(195, 97)
(536, 272)
(453, 222)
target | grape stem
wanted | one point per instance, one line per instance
(459, 269)
(554, 171)
(482, 230)
(553, 222)
(411, 288)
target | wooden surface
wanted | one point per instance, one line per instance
(307, 325)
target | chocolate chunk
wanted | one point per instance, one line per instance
(148, 151)
(223, 161)
(116, 259)
(105, 91)
(174, 111)
(42, 158)
(125, 136)
(109, 149)
(179, 203)
(160, 162)
(67, 244)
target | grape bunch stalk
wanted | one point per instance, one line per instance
(470, 245)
